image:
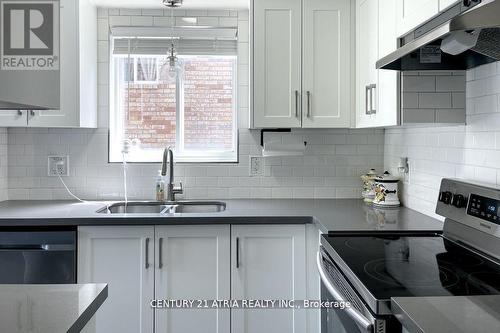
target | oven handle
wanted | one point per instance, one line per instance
(355, 315)
(37, 247)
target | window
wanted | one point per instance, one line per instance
(195, 114)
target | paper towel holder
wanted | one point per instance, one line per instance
(275, 130)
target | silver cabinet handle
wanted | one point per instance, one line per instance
(296, 103)
(147, 253)
(19, 112)
(160, 254)
(358, 318)
(32, 113)
(308, 104)
(373, 109)
(237, 252)
(367, 103)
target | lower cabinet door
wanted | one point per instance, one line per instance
(192, 263)
(123, 258)
(268, 262)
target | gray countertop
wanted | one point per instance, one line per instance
(331, 215)
(451, 314)
(49, 308)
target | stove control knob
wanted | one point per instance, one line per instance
(445, 197)
(459, 201)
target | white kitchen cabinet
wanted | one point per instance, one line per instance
(366, 57)
(326, 71)
(192, 263)
(377, 92)
(387, 110)
(122, 257)
(13, 118)
(268, 262)
(277, 63)
(301, 63)
(78, 73)
(412, 13)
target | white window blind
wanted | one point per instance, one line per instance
(187, 40)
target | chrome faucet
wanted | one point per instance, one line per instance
(168, 158)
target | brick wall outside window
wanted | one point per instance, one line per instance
(208, 106)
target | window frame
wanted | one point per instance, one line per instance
(116, 114)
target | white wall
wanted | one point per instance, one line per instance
(3, 164)
(331, 168)
(470, 152)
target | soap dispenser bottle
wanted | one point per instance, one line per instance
(160, 187)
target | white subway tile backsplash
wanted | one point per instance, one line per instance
(130, 12)
(450, 116)
(115, 21)
(141, 21)
(468, 151)
(450, 83)
(419, 83)
(418, 115)
(434, 100)
(152, 12)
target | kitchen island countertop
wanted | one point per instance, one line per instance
(49, 308)
(330, 215)
(451, 314)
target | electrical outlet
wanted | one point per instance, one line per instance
(58, 165)
(256, 166)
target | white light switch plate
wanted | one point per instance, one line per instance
(58, 165)
(256, 166)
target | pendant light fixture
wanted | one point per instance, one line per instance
(175, 68)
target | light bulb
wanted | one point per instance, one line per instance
(174, 69)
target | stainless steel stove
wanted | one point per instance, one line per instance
(368, 269)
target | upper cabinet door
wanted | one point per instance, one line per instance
(327, 65)
(192, 263)
(123, 258)
(277, 63)
(366, 57)
(411, 13)
(387, 89)
(268, 262)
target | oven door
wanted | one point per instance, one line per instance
(334, 287)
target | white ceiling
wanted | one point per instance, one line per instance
(188, 4)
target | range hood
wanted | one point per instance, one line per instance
(458, 39)
(5, 105)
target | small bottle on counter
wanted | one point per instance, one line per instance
(160, 187)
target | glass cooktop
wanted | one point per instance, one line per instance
(415, 266)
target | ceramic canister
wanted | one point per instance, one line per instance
(369, 185)
(386, 191)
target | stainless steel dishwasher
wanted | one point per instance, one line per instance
(37, 255)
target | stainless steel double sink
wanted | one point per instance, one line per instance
(154, 207)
